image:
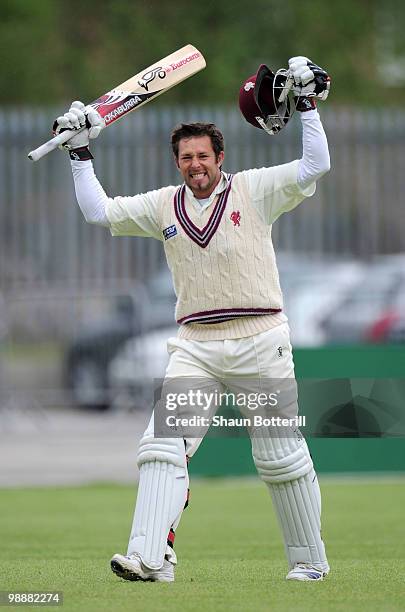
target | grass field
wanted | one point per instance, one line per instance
(230, 552)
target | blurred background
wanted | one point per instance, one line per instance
(84, 317)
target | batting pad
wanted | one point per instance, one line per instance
(285, 464)
(298, 507)
(162, 493)
(281, 459)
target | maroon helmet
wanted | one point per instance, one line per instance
(259, 100)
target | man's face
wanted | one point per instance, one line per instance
(198, 165)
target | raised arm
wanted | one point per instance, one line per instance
(278, 189)
(315, 160)
(134, 216)
(310, 82)
(90, 195)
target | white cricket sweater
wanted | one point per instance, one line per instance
(221, 258)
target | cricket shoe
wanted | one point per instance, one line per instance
(307, 572)
(130, 567)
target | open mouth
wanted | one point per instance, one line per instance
(198, 175)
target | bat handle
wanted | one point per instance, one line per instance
(53, 144)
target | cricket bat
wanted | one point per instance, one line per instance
(135, 92)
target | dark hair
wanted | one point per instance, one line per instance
(189, 130)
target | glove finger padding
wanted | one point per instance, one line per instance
(78, 117)
(61, 123)
(295, 63)
(94, 121)
(306, 75)
(310, 80)
(78, 104)
(68, 121)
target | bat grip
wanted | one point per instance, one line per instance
(53, 144)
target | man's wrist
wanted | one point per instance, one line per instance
(80, 154)
(304, 104)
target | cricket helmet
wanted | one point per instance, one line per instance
(259, 100)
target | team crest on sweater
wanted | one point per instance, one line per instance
(235, 218)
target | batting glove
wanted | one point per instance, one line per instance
(77, 117)
(310, 80)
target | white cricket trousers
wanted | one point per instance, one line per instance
(231, 363)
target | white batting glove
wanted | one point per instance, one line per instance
(77, 117)
(309, 79)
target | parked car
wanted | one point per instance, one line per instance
(88, 356)
(311, 293)
(389, 327)
(136, 365)
(396, 333)
(367, 302)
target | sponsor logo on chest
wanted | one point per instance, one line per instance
(169, 232)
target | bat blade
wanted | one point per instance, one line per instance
(136, 91)
(150, 83)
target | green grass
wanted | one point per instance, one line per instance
(230, 552)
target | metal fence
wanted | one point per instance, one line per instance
(357, 210)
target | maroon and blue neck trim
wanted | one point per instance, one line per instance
(226, 314)
(201, 236)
